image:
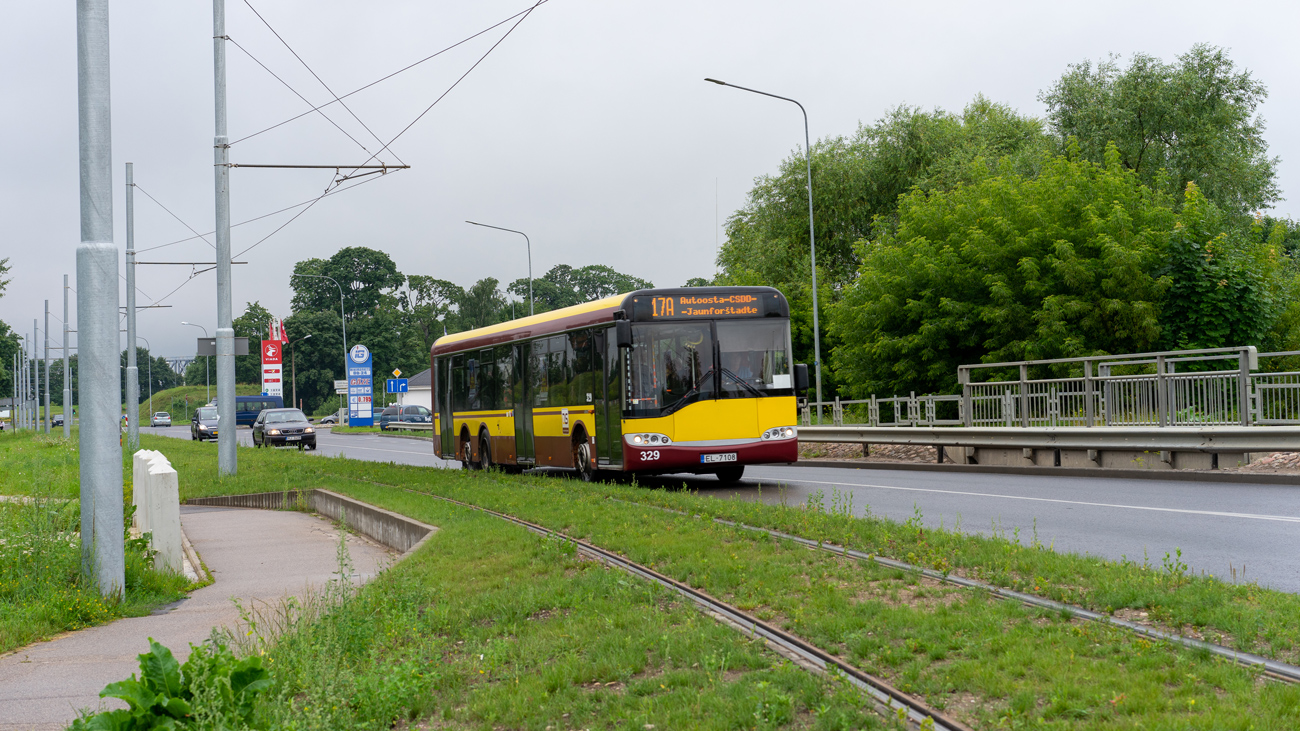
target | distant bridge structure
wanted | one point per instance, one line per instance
(179, 363)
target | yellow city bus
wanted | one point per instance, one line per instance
(691, 380)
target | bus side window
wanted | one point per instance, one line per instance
(459, 387)
(504, 377)
(537, 371)
(559, 373)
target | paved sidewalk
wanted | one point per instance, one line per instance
(252, 554)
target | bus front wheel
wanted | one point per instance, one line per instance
(582, 456)
(731, 475)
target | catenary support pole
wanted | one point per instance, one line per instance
(97, 324)
(36, 376)
(67, 368)
(227, 458)
(132, 367)
(48, 420)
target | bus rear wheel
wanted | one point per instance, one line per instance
(484, 452)
(731, 475)
(582, 456)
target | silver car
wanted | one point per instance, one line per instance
(162, 418)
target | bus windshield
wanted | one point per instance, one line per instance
(674, 364)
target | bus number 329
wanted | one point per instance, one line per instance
(651, 455)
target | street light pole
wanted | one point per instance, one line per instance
(342, 315)
(812, 245)
(67, 368)
(530, 257)
(293, 365)
(150, 352)
(207, 374)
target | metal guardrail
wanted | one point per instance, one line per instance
(1207, 387)
(1212, 439)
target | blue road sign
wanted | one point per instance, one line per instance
(397, 385)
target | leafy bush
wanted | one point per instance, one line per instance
(212, 689)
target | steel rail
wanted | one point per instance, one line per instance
(1277, 670)
(918, 713)
(1169, 438)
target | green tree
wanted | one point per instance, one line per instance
(1006, 268)
(1194, 118)
(427, 304)
(857, 183)
(564, 286)
(316, 362)
(364, 274)
(163, 375)
(253, 324)
(482, 305)
(1227, 283)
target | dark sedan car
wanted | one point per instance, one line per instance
(203, 425)
(407, 414)
(283, 428)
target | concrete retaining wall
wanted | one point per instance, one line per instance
(398, 532)
(155, 493)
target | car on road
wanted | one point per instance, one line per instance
(161, 418)
(247, 408)
(203, 425)
(404, 414)
(56, 420)
(283, 428)
(330, 419)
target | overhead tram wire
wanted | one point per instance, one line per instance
(173, 215)
(299, 95)
(318, 78)
(257, 218)
(522, 17)
(457, 44)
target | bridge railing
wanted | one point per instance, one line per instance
(1207, 387)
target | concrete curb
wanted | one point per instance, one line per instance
(395, 531)
(1242, 478)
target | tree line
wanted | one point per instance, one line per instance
(397, 316)
(1126, 220)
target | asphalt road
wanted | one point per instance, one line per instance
(1217, 526)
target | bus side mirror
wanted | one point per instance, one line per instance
(800, 377)
(623, 333)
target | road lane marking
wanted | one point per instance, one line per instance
(1185, 511)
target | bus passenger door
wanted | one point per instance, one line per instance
(522, 404)
(610, 449)
(442, 389)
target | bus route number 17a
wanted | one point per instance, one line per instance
(662, 306)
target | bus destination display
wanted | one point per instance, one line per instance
(695, 305)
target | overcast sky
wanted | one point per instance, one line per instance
(589, 127)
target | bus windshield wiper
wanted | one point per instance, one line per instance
(741, 381)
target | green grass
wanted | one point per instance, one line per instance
(42, 591)
(991, 663)
(173, 401)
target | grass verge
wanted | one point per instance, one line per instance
(42, 591)
(991, 663)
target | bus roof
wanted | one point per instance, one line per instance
(682, 303)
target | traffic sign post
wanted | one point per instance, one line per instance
(397, 385)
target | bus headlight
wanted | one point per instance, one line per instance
(647, 439)
(780, 432)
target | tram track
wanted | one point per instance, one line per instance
(891, 701)
(1274, 669)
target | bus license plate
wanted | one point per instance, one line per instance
(292, 439)
(711, 458)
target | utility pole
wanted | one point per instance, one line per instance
(47, 367)
(67, 368)
(132, 368)
(36, 377)
(227, 458)
(101, 397)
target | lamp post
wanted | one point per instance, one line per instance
(207, 374)
(149, 349)
(812, 245)
(530, 257)
(293, 365)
